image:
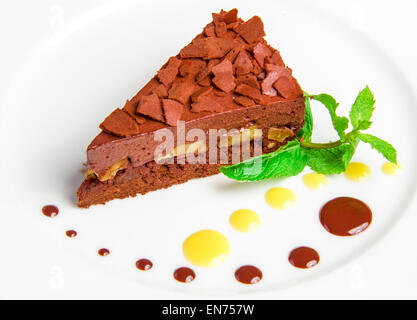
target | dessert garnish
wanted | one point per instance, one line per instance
(390, 168)
(71, 233)
(245, 220)
(184, 274)
(248, 274)
(345, 216)
(280, 198)
(144, 264)
(357, 171)
(103, 252)
(326, 158)
(304, 257)
(206, 248)
(315, 180)
(50, 211)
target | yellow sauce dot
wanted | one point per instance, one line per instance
(315, 180)
(390, 168)
(245, 220)
(357, 171)
(206, 248)
(280, 198)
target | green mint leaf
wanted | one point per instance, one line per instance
(362, 110)
(307, 130)
(330, 160)
(285, 162)
(340, 124)
(383, 147)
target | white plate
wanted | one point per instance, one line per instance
(61, 94)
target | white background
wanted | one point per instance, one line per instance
(388, 270)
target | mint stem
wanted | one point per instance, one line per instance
(312, 145)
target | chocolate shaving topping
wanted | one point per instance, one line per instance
(222, 20)
(173, 111)
(201, 93)
(288, 87)
(151, 106)
(167, 75)
(207, 70)
(130, 107)
(181, 91)
(231, 56)
(223, 76)
(252, 30)
(208, 48)
(243, 64)
(205, 82)
(285, 83)
(209, 31)
(249, 79)
(228, 66)
(261, 76)
(120, 123)
(276, 59)
(230, 16)
(249, 92)
(161, 91)
(220, 29)
(244, 101)
(207, 103)
(269, 82)
(260, 52)
(232, 26)
(191, 67)
(272, 67)
(257, 69)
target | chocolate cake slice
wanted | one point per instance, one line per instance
(228, 77)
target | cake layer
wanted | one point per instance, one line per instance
(151, 176)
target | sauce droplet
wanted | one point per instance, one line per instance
(280, 198)
(144, 264)
(206, 248)
(304, 257)
(71, 233)
(184, 274)
(315, 180)
(390, 168)
(248, 275)
(357, 171)
(50, 211)
(245, 220)
(103, 252)
(345, 216)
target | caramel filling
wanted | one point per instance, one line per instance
(228, 140)
(247, 134)
(185, 149)
(279, 134)
(271, 145)
(110, 172)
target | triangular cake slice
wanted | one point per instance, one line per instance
(228, 77)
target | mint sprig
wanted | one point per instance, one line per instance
(326, 158)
